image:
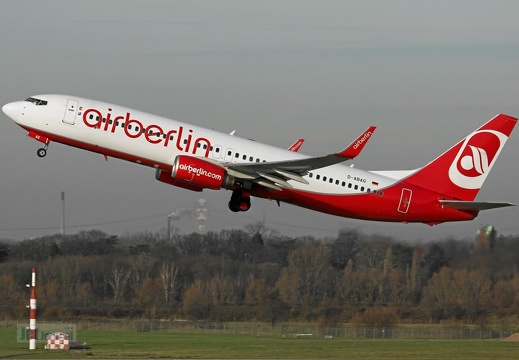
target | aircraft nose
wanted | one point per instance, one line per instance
(11, 109)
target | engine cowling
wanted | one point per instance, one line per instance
(200, 173)
(165, 177)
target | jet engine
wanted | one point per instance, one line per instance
(197, 174)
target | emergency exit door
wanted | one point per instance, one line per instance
(405, 201)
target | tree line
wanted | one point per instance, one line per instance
(256, 274)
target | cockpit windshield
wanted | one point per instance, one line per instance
(36, 101)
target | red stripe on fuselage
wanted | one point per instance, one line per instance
(424, 206)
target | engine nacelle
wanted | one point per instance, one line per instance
(165, 177)
(200, 173)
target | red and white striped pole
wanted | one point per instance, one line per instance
(32, 313)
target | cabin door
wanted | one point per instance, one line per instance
(70, 112)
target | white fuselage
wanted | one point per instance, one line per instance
(163, 139)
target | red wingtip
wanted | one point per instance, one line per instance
(297, 145)
(356, 147)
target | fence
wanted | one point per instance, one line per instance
(414, 332)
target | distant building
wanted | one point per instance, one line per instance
(486, 237)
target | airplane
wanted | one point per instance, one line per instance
(195, 158)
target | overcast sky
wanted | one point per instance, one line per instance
(427, 73)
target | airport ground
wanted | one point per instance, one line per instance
(209, 344)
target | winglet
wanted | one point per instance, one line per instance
(356, 147)
(297, 145)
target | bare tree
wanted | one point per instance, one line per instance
(169, 280)
(304, 280)
(142, 267)
(117, 280)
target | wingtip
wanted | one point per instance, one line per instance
(356, 146)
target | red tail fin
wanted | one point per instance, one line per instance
(460, 172)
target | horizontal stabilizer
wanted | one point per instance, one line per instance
(473, 205)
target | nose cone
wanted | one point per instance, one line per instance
(11, 109)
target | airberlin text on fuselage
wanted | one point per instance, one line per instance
(153, 133)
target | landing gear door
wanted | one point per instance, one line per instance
(405, 201)
(70, 112)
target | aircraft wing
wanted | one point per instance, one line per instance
(275, 175)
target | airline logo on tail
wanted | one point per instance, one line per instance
(475, 158)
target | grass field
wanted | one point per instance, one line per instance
(114, 344)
